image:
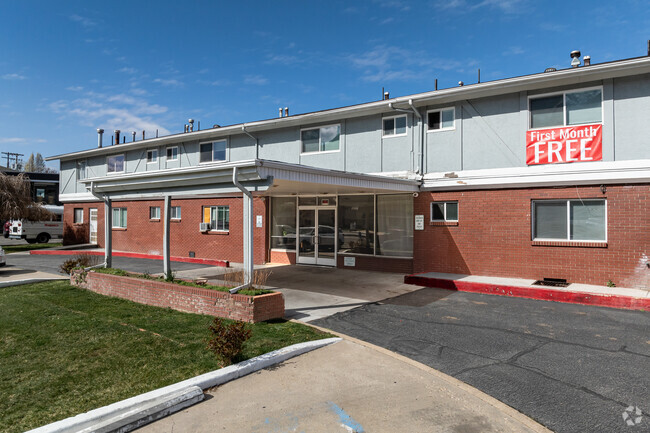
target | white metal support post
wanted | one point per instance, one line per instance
(166, 257)
(247, 221)
(108, 233)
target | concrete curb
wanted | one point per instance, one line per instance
(209, 262)
(28, 281)
(452, 381)
(138, 408)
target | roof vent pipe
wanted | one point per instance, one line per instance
(460, 83)
(575, 56)
(286, 111)
(191, 122)
(117, 136)
(143, 134)
(100, 134)
(649, 47)
(133, 136)
(586, 60)
(386, 95)
(280, 112)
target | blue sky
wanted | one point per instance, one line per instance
(69, 67)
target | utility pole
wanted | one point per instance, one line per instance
(12, 155)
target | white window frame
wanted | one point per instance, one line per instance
(74, 217)
(155, 210)
(154, 156)
(217, 220)
(564, 93)
(167, 159)
(318, 152)
(211, 142)
(394, 134)
(445, 219)
(178, 213)
(123, 213)
(123, 163)
(533, 213)
(440, 110)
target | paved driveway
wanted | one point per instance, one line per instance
(572, 368)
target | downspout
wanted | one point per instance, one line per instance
(420, 168)
(421, 138)
(257, 143)
(248, 233)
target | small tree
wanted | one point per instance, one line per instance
(30, 165)
(39, 164)
(16, 200)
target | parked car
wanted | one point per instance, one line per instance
(3, 258)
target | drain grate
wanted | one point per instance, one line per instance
(553, 282)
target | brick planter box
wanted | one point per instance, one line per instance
(245, 308)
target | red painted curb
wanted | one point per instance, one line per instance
(212, 262)
(544, 294)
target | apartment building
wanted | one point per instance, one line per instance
(538, 176)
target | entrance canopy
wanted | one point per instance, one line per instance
(261, 177)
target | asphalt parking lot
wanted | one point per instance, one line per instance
(572, 368)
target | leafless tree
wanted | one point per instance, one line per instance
(16, 200)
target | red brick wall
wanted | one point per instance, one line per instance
(378, 263)
(493, 237)
(188, 299)
(143, 235)
(284, 257)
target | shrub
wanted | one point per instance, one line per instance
(236, 278)
(79, 261)
(227, 340)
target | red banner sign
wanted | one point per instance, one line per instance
(560, 145)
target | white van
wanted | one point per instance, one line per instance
(39, 231)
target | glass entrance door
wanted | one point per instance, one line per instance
(317, 236)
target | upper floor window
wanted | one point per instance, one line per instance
(322, 139)
(214, 152)
(394, 126)
(440, 119)
(115, 164)
(444, 211)
(81, 169)
(570, 220)
(566, 109)
(152, 156)
(172, 153)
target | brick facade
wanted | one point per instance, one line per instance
(493, 237)
(244, 308)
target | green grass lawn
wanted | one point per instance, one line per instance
(27, 247)
(65, 350)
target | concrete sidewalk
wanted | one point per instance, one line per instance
(11, 275)
(347, 387)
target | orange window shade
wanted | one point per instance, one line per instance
(206, 215)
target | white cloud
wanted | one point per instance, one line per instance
(394, 4)
(257, 80)
(507, 6)
(127, 70)
(13, 77)
(120, 111)
(74, 88)
(282, 59)
(18, 140)
(169, 82)
(86, 22)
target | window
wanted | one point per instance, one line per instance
(40, 195)
(394, 126)
(213, 152)
(575, 220)
(395, 225)
(115, 164)
(218, 217)
(323, 139)
(357, 224)
(78, 215)
(172, 153)
(152, 156)
(440, 119)
(566, 109)
(154, 212)
(444, 211)
(119, 217)
(81, 170)
(283, 223)
(175, 213)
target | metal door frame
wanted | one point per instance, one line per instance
(316, 260)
